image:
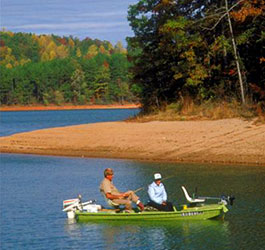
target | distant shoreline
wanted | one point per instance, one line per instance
(68, 107)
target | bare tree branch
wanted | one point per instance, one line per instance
(236, 55)
(220, 19)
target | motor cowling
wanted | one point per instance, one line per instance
(228, 200)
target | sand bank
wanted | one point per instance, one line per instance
(228, 141)
(68, 107)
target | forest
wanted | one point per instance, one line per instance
(48, 69)
(200, 51)
(182, 51)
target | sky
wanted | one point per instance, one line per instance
(96, 19)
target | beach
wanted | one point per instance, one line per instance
(227, 141)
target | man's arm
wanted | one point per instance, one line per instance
(151, 193)
(116, 196)
(106, 189)
(164, 195)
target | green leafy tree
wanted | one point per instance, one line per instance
(101, 87)
(49, 69)
(78, 85)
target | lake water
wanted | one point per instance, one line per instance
(34, 187)
(22, 121)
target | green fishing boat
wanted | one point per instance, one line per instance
(203, 212)
(196, 209)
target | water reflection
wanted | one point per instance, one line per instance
(72, 228)
(158, 235)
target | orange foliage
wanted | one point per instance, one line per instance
(262, 59)
(105, 64)
(249, 8)
(257, 89)
(62, 51)
(62, 41)
(102, 49)
(162, 4)
(92, 51)
(49, 50)
(231, 72)
(2, 43)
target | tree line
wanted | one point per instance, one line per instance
(205, 50)
(48, 69)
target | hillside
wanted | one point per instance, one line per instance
(48, 69)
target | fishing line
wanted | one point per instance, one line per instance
(163, 179)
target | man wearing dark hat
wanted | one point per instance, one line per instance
(115, 196)
(158, 195)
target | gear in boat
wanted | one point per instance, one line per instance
(196, 208)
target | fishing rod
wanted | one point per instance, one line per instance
(163, 179)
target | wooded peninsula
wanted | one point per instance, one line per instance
(188, 62)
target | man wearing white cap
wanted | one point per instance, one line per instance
(158, 195)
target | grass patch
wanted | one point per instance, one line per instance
(188, 110)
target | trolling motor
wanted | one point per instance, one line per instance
(226, 200)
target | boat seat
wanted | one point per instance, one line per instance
(189, 199)
(110, 202)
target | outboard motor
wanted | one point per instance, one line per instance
(71, 205)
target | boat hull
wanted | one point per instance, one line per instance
(194, 213)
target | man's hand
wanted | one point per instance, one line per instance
(164, 203)
(124, 195)
(117, 196)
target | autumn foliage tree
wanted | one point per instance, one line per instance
(249, 18)
(186, 49)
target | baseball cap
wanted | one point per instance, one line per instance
(157, 176)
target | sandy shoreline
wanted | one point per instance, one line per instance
(228, 141)
(68, 107)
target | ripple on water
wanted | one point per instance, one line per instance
(33, 188)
